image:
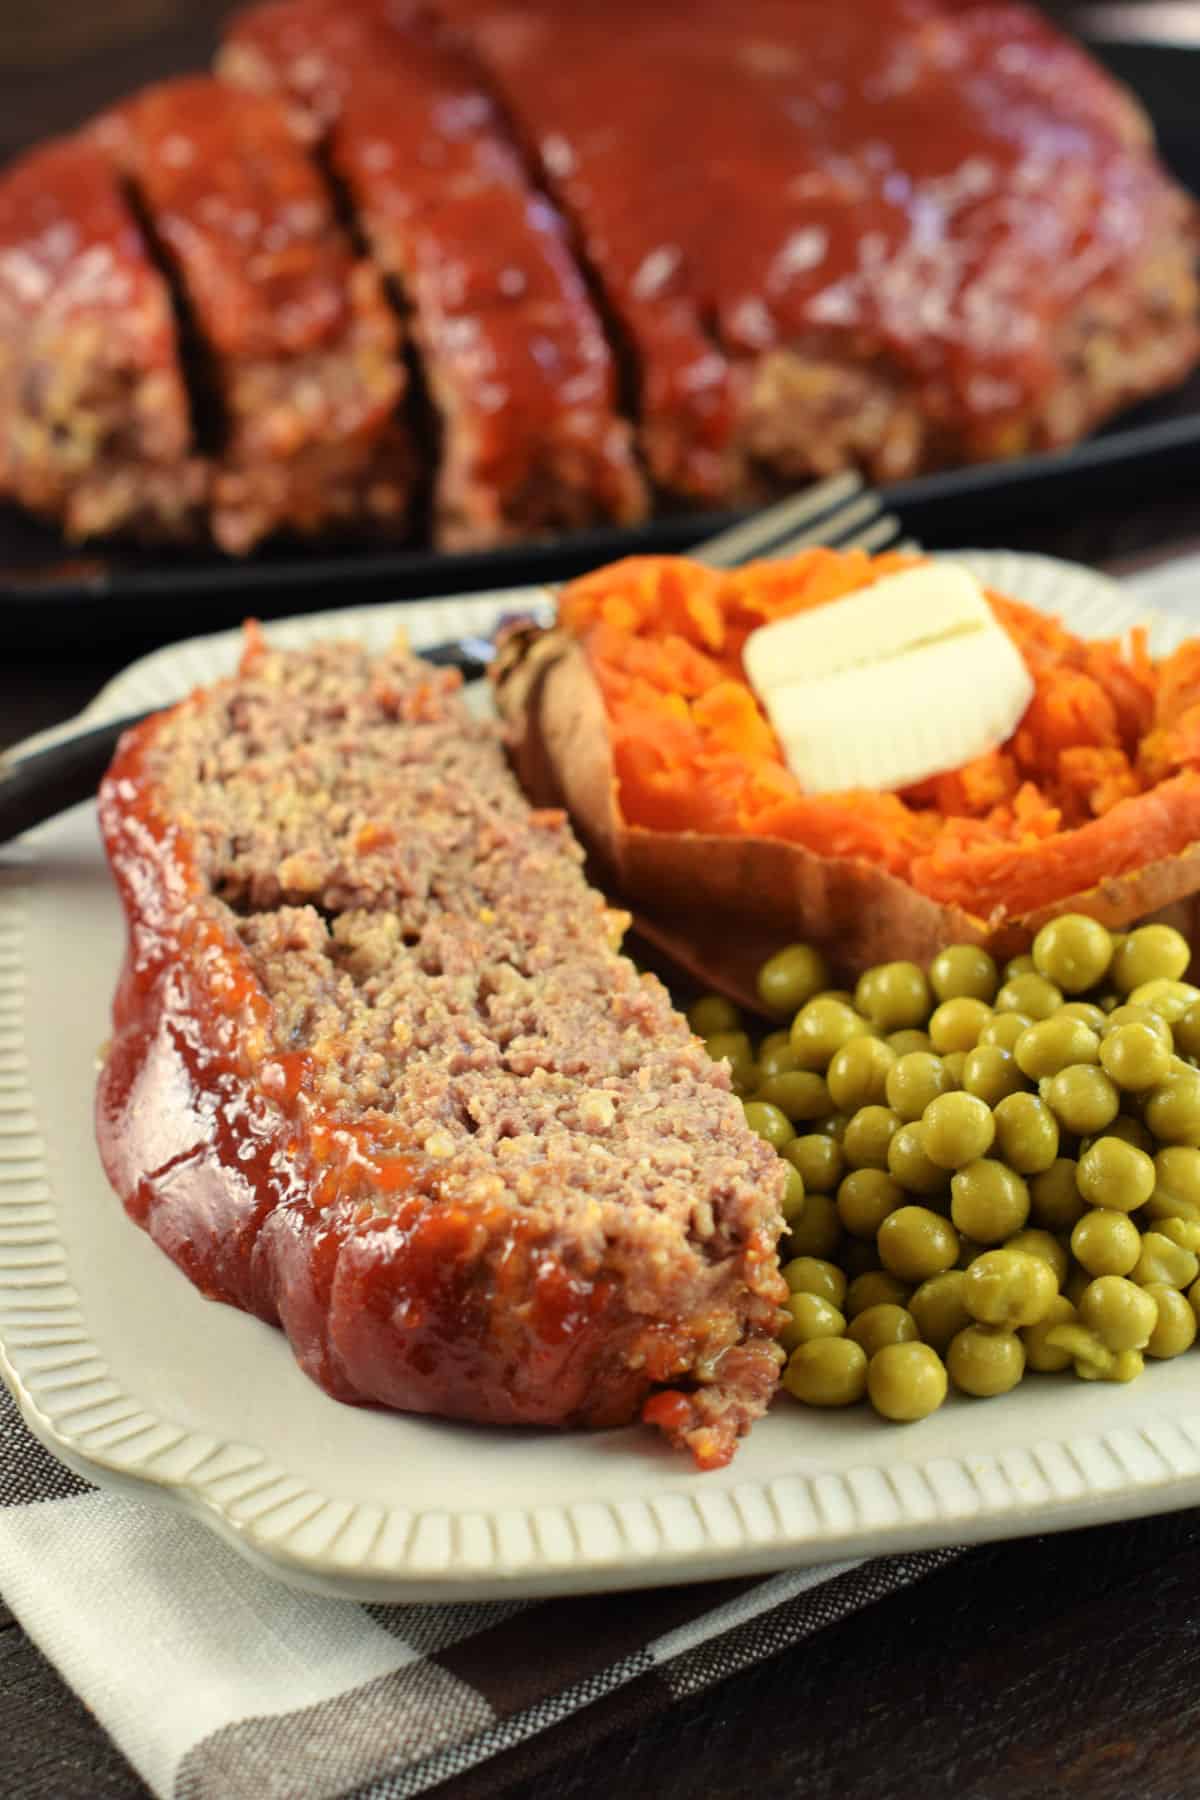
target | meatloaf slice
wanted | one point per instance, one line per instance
(515, 359)
(303, 346)
(94, 426)
(380, 1075)
(896, 233)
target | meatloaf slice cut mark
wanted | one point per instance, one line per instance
(515, 358)
(884, 293)
(492, 1175)
(304, 345)
(197, 363)
(94, 420)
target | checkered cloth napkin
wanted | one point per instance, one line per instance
(218, 1682)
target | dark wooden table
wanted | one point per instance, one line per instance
(1066, 1665)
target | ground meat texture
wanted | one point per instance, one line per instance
(380, 1074)
(807, 273)
(94, 426)
(298, 340)
(514, 357)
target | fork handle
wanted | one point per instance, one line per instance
(36, 785)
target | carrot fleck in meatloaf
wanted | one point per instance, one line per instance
(94, 425)
(515, 359)
(301, 344)
(896, 233)
(380, 1075)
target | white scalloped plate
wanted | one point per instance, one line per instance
(134, 1380)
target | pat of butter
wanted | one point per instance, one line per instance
(905, 679)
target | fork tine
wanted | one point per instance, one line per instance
(856, 529)
(757, 535)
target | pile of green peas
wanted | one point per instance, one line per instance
(989, 1171)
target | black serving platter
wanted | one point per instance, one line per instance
(50, 596)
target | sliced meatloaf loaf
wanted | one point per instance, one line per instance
(895, 233)
(515, 360)
(380, 1075)
(94, 426)
(301, 344)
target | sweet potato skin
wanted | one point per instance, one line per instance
(720, 904)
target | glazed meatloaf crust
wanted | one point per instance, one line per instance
(380, 1075)
(895, 233)
(301, 344)
(515, 359)
(94, 426)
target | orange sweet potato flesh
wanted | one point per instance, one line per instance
(634, 714)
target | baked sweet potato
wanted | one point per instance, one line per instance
(633, 713)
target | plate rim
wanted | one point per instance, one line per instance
(359, 1549)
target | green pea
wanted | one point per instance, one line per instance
(768, 1122)
(1175, 1323)
(827, 1372)
(792, 1204)
(906, 1382)
(991, 1074)
(776, 1059)
(956, 1024)
(799, 1094)
(913, 1081)
(858, 1073)
(1073, 951)
(938, 1309)
(1031, 995)
(1186, 1031)
(1087, 1012)
(1151, 953)
(1121, 1314)
(865, 1198)
(734, 1048)
(915, 1242)
(711, 1014)
(1084, 1099)
(818, 1159)
(985, 1361)
(1026, 1133)
(964, 971)
(911, 1167)
(1003, 1029)
(956, 1129)
(1136, 1057)
(867, 1136)
(1115, 1175)
(820, 1029)
(790, 978)
(989, 1201)
(895, 996)
(876, 1326)
(810, 1316)
(1176, 1183)
(1172, 1111)
(815, 1275)
(1106, 1242)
